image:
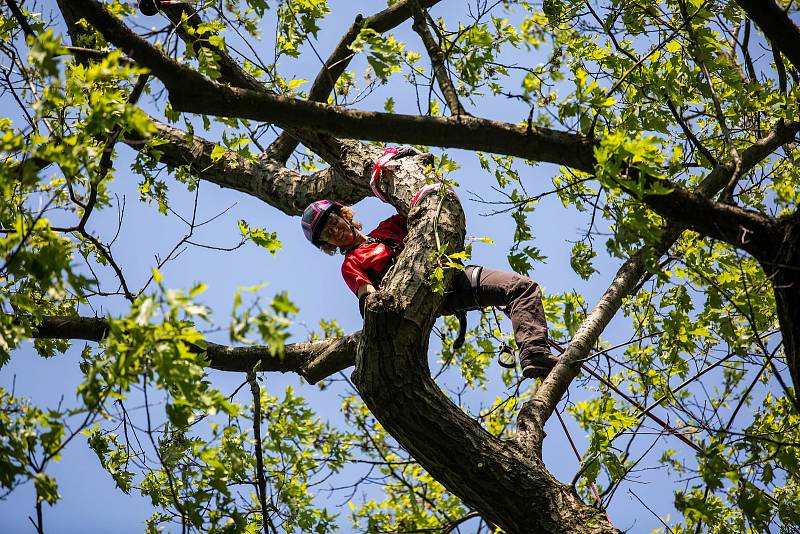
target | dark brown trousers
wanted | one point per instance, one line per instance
(519, 296)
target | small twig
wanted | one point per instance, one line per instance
(727, 193)
(167, 471)
(690, 134)
(454, 525)
(20, 18)
(732, 418)
(255, 389)
(10, 259)
(748, 61)
(598, 501)
(639, 63)
(780, 68)
(437, 62)
(39, 518)
(663, 424)
(651, 511)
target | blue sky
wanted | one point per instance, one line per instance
(89, 501)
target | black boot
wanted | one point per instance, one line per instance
(537, 364)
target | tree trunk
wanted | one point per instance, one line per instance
(784, 272)
(506, 484)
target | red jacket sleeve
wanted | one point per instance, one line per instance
(353, 275)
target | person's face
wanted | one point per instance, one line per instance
(337, 232)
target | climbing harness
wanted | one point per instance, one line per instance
(510, 361)
(427, 190)
(392, 245)
(475, 283)
(373, 275)
(505, 356)
(461, 315)
(473, 273)
(506, 350)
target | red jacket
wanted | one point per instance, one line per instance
(368, 262)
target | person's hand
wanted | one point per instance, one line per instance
(363, 292)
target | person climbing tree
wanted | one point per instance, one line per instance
(330, 226)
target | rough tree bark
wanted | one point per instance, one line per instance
(784, 272)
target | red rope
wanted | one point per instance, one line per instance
(578, 456)
(638, 406)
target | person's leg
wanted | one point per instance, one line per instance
(522, 299)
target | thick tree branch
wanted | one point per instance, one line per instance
(280, 187)
(534, 413)
(773, 20)
(192, 92)
(170, 72)
(538, 144)
(784, 272)
(71, 17)
(393, 374)
(752, 231)
(689, 133)
(186, 20)
(263, 178)
(341, 155)
(508, 486)
(313, 360)
(198, 94)
(748, 230)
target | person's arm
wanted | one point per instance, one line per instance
(363, 291)
(356, 279)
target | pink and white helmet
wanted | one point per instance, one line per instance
(315, 216)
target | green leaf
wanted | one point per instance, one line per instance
(581, 260)
(217, 153)
(262, 238)
(46, 488)
(294, 84)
